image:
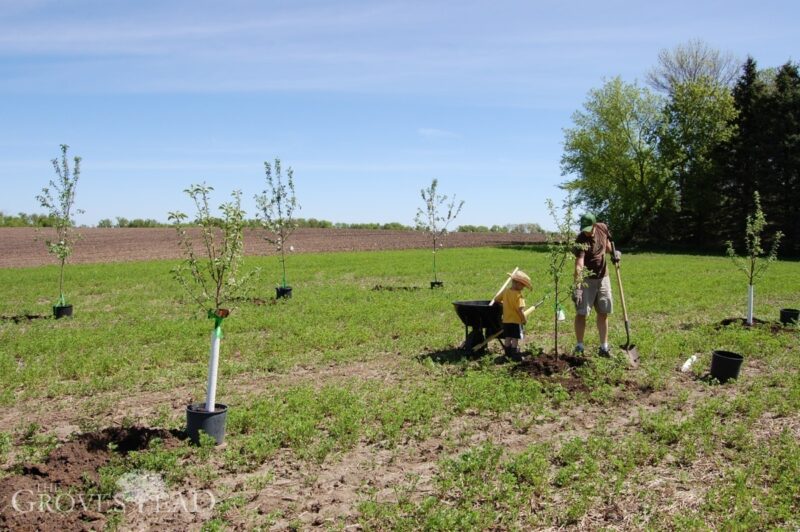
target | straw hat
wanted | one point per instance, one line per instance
(522, 278)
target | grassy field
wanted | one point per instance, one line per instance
(357, 403)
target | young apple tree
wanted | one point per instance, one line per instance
(276, 206)
(561, 246)
(59, 199)
(212, 277)
(435, 216)
(753, 265)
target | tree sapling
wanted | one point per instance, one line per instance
(430, 220)
(753, 264)
(561, 244)
(212, 278)
(59, 199)
(276, 206)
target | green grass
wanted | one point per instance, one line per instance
(133, 334)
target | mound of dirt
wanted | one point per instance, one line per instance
(775, 327)
(555, 368)
(49, 496)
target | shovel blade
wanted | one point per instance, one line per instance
(632, 354)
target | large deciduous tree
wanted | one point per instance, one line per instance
(700, 118)
(613, 154)
(690, 62)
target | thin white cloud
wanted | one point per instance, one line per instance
(433, 133)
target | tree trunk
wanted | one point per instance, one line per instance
(750, 290)
(555, 322)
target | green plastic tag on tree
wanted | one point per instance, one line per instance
(217, 323)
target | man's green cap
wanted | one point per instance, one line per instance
(587, 222)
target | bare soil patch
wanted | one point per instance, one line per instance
(774, 327)
(19, 247)
(555, 368)
(383, 288)
(55, 486)
(24, 318)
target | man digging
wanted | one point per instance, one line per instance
(595, 290)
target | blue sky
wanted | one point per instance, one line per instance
(368, 101)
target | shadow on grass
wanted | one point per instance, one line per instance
(451, 356)
(24, 318)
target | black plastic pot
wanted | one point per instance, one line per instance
(437, 284)
(790, 316)
(725, 365)
(212, 423)
(283, 292)
(62, 311)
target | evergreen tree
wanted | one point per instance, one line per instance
(781, 186)
(739, 162)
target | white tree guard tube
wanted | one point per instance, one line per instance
(213, 366)
(750, 304)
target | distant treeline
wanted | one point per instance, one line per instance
(26, 220)
(528, 229)
(40, 220)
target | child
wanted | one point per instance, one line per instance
(513, 313)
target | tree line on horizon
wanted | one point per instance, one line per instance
(676, 165)
(42, 220)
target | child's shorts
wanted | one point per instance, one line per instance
(512, 330)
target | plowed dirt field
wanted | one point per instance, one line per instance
(19, 246)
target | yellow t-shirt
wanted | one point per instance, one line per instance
(512, 299)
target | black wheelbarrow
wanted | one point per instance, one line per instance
(481, 321)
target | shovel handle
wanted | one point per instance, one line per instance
(505, 285)
(619, 283)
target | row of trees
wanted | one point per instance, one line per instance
(27, 220)
(679, 164)
(44, 220)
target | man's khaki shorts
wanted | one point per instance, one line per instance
(597, 295)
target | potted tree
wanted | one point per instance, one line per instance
(212, 279)
(753, 265)
(58, 199)
(561, 244)
(276, 206)
(434, 222)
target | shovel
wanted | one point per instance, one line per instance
(505, 285)
(629, 348)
